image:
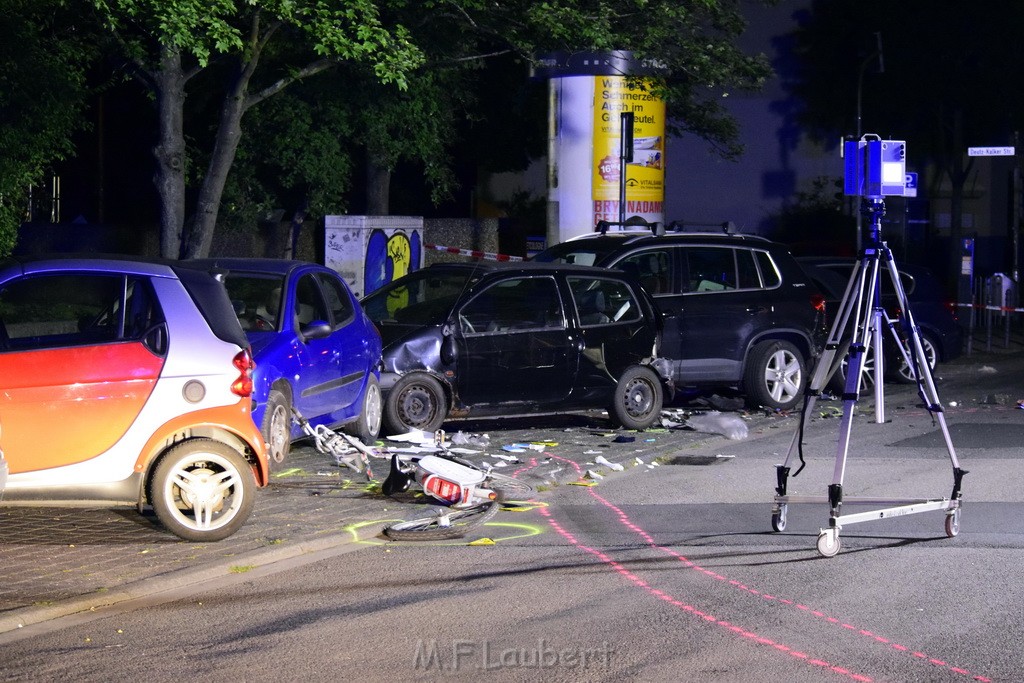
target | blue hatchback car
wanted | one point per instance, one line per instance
(314, 348)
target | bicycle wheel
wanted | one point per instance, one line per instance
(443, 524)
(508, 488)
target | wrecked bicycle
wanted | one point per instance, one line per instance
(470, 494)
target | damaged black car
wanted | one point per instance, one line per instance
(469, 340)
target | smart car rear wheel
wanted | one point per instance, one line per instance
(277, 426)
(775, 375)
(203, 490)
(416, 402)
(367, 427)
(638, 399)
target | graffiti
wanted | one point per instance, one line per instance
(389, 257)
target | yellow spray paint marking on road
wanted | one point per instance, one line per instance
(506, 531)
(289, 472)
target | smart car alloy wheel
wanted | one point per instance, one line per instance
(203, 490)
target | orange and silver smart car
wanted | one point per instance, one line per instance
(127, 383)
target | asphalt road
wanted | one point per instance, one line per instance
(663, 573)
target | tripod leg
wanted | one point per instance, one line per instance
(922, 371)
(827, 364)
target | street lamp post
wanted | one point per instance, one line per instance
(860, 93)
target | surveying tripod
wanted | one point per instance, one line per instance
(857, 330)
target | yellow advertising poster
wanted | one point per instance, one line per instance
(645, 175)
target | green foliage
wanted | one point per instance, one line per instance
(396, 79)
(44, 48)
(294, 155)
(208, 29)
(473, 95)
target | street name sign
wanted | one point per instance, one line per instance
(990, 151)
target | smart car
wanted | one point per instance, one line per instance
(126, 383)
(489, 339)
(315, 349)
(3, 470)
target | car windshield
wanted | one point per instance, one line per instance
(424, 297)
(582, 253)
(256, 298)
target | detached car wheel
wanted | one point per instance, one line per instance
(367, 427)
(277, 427)
(416, 402)
(203, 490)
(775, 376)
(638, 399)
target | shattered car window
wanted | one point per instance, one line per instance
(600, 302)
(529, 303)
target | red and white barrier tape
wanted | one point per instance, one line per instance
(475, 254)
(987, 307)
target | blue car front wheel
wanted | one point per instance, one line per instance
(367, 425)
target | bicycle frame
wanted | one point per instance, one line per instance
(457, 484)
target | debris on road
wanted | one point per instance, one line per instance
(601, 460)
(711, 422)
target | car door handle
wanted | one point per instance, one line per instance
(754, 310)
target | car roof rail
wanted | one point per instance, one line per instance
(726, 227)
(631, 225)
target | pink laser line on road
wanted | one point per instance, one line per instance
(625, 521)
(661, 595)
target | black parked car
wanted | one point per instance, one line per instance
(506, 339)
(739, 311)
(941, 334)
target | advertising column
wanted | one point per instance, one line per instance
(589, 91)
(645, 175)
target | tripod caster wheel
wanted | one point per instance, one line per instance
(779, 519)
(953, 523)
(828, 542)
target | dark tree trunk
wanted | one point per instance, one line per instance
(378, 186)
(229, 133)
(170, 151)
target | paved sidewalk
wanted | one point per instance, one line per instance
(60, 561)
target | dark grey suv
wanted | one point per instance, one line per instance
(739, 311)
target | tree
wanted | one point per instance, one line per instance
(419, 46)
(945, 83)
(44, 53)
(171, 43)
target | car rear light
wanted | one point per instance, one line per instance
(245, 364)
(818, 301)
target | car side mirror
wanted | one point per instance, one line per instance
(449, 350)
(316, 329)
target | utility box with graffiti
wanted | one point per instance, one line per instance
(371, 251)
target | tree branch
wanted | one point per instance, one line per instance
(309, 70)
